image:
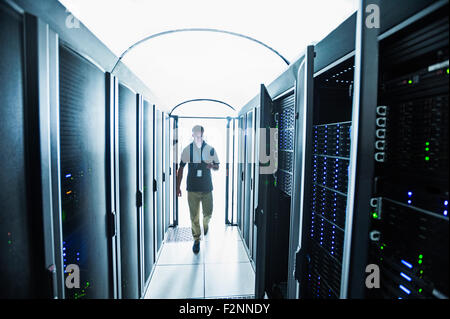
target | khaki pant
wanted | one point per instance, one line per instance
(194, 199)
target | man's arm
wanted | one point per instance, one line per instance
(179, 178)
(214, 165)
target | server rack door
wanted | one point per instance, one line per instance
(240, 183)
(17, 255)
(361, 168)
(235, 173)
(166, 172)
(227, 174)
(267, 167)
(175, 166)
(172, 170)
(83, 174)
(128, 182)
(249, 178)
(256, 148)
(302, 125)
(148, 217)
(140, 190)
(158, 172)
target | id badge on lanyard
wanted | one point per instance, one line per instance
(198, 169)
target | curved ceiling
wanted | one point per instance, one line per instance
(189, 65)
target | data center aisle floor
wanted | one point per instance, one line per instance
(221, 269)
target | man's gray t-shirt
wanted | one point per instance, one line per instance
(199, 176)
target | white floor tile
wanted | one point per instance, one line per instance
(225, 251)
(177, 282)
(180, 253)
(222, 233)
(234, 279)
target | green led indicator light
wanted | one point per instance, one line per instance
(9, 242)
(427, 158)
(427, 143)
(420, 256)
(420, 261)
(381, 247)
(375, 215)
(447, 70)
(421, 272)
(420, 290)
(410, 81)
(427, 149)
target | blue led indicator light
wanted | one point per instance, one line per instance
(405, 289)
(405, 276)
(407, 264)
(446, 203)
(409, 194)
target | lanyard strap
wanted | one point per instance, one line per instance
(192, 152)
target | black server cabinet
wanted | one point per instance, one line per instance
(83, 175)
(128, 197)
(320, 263)
(148, 213)
(266, 194)
(409, 217)
(327, 205)
(22, 271)
(324, 215)
(280, 215)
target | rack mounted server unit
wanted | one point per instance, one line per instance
(409, 227)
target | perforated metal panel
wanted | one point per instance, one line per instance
(15, 270)
(148, 218)
(83, 188)
(128, 189)
(286, 122)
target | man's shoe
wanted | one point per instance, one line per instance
(196, 247)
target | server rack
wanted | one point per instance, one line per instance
(279, 215)
(148, 213)
(326, 130)
(249, 177)
(241, 163)
(84, 196)
(158, 177)
(28, 263)
(266, 194)
(409, 213)
(128, 199)
(70, 158)
(166, 172)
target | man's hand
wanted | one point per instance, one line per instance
(212, 166)
(178, 192)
